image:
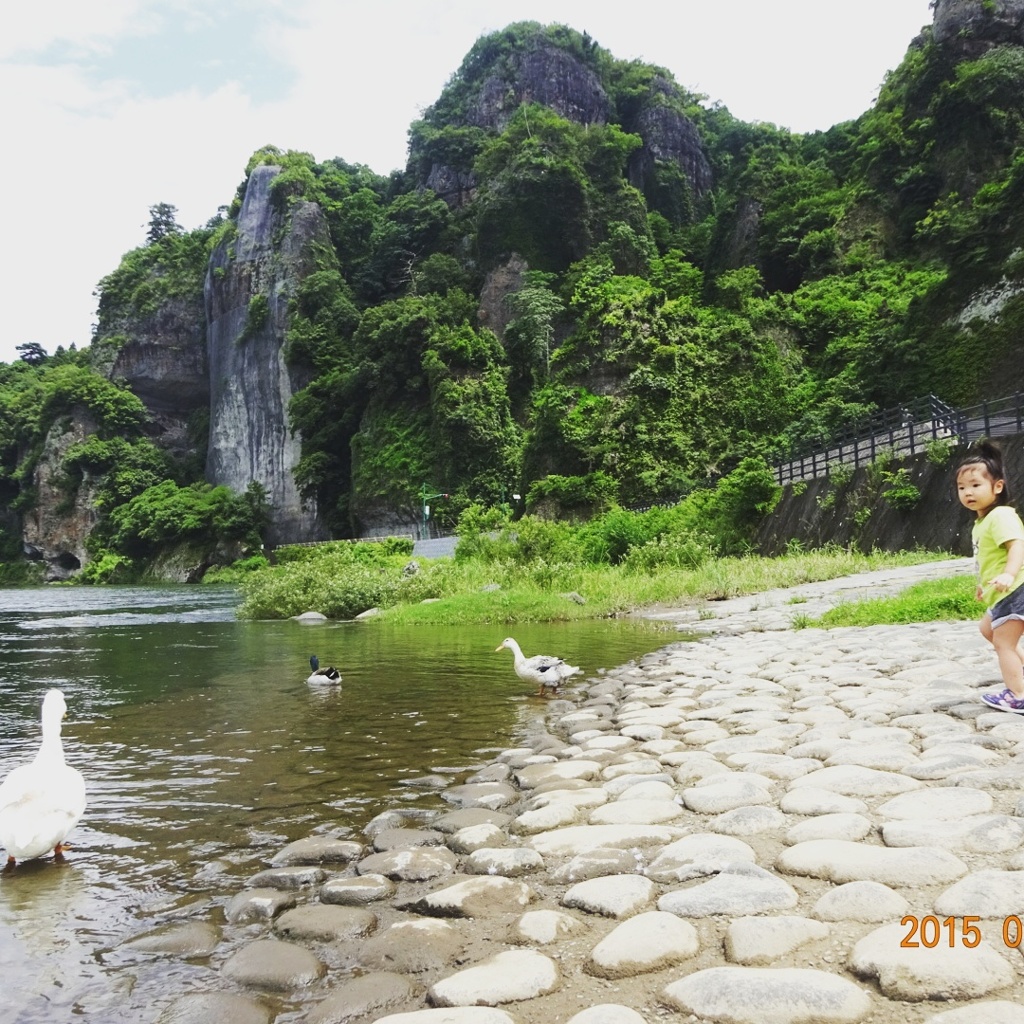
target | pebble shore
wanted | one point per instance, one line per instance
(763, 826)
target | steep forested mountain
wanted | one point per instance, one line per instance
(587, 286)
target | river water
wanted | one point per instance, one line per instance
(205, 751)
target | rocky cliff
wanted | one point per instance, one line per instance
(162, 359)
(55, 530)
(251, 278)
(547, 74)
(974, 26)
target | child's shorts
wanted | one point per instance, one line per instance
(1009, 607)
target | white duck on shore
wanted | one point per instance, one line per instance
(547, 671)
(41, 802)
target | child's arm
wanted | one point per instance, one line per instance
(1014, 560)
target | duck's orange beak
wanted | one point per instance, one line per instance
(500, 647)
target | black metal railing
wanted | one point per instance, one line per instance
(904, 430)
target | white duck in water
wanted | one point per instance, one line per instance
(322, 675)
(41, 802)
(547, 671)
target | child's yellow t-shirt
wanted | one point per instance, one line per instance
(989, 534)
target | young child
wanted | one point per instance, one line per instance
(998, 536)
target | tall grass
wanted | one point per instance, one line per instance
(475, 591)
(928, 601)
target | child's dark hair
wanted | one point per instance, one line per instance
(990, 456)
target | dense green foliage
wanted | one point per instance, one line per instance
(589, 315)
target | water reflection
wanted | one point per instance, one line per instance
(205, 750)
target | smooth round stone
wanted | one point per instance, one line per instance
(989, 778)
(983, 833)
(489, 795)
(636, 812)
(399, 838)
(855, 780)
(288, 877)
(445, 1015)
(600, 741)
(258, 905)
(988, 894)
(820, 801)
(945, 803)
(188, 939)
(611, 896)
(611, 1013)
(577, 839)
(830, 826)
(761, 941)
(755, 995)
(724, 794)
(598, 864)
(634, 770)
(868, 902)
(542, 927)
(888, 757)
(781, 767)
(483, 896)
(362, 996)
(508, 977)
(534, 775)
(649, 791)
(315, 850)
(840, 861)
(643, 732)
(584, 796)
(555, 814)
(215, 1008)
(278, 966)
(413, 947)
(510, 863)
(469, 816)
(476, 837)
(748, 821)
(326, 923)
(941, 972)
(412, 864)
(737, 890)
(492, 773)
(648, 942)
(356, 892)
(697, 855)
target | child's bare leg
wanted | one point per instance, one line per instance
(1005, 639)
(985, 628)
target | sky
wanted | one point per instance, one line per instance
(112, 106)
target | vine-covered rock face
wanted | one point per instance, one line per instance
(547, 74)
(55, 529)
(252, 276)
(974, 26)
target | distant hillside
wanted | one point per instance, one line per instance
(587, 286)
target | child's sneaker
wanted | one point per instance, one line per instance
(1005, 701)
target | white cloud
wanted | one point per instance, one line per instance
(87, 158)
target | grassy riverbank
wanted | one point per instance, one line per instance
(929, 601)
(342, 580)
(536, 569)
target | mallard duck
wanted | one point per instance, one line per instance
(545, 670)
(322, 675)
(41, 802)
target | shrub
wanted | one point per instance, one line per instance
(687, 550)
(109, 567)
